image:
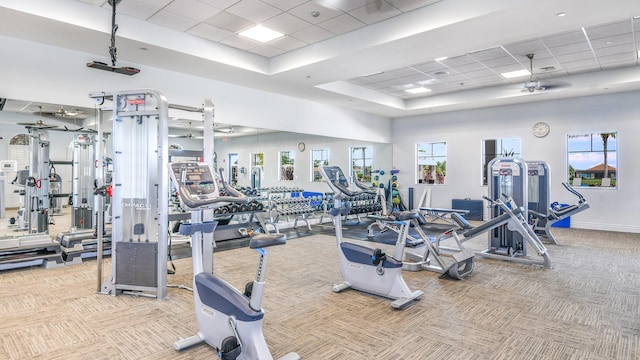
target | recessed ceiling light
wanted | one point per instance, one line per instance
(418, 90)
(561, 14)
(261, 34)
(515, 74)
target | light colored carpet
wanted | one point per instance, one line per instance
(586, 307)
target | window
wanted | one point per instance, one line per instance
(319, 158)
(286, 165)
(257, 159)
(432, 163)
(493, 148)
(593, 159)
(362, 162)
(233, 169)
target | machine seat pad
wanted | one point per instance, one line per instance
(218, 294)
(566, 211)
(491, 223)
(360, 254)
(460, 220)
(262, 240)
(405, 215)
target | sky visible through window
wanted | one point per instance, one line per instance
(587, 151)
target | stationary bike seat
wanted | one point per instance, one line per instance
(261, 240)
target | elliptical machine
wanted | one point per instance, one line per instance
(363, 268)
(228, 320)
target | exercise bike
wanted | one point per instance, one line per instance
(363, 268)
(228, 320)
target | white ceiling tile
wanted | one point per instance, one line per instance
(408, 5)
(570, 48)
(137, 9)
(228, 21)
(287, 43)
(583, 55)
(312, 34)
(220, 4)
(375, 12)
(192, 9)
(254, 10)
(286, 23)
(487, 54)
(564, 39)
(624, 49)
(267, 51)
(240, 42)
(343, 5)
(284, 5)
(617, 58)
(604, 31)
(617, 62)
(173, 21)
(342, 24)
(613, 41)
(306, 10)
(526, 47)
(210, 32)
(402, 72)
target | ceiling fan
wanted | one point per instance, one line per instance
(187, 136)
(533, 85)
(39, 124)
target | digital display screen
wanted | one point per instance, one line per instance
(194, 177)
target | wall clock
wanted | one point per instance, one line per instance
(541, 129)
(301, 146)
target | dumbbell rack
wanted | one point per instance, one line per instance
(281, 203)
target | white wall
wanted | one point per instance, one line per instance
(611, 209)
(272, 143)
(43, 73)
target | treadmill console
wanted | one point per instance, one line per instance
(336, 180)
(195, 184)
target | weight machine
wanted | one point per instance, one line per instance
(508, 179)
(140, 193)
(542, 213)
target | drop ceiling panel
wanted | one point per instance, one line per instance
(173, 21)
(312, 34)
(191, 9)
(286, 23)
(374, 12)
(210, 32)
(308, 8)
(254, 10)
(342, 24)
(284, 5)
(138, 9)
(229, 21)
(287, 43)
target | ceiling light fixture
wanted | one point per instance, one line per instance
(261, 34)
(515, 74)
(418, 90)
(441, 59)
